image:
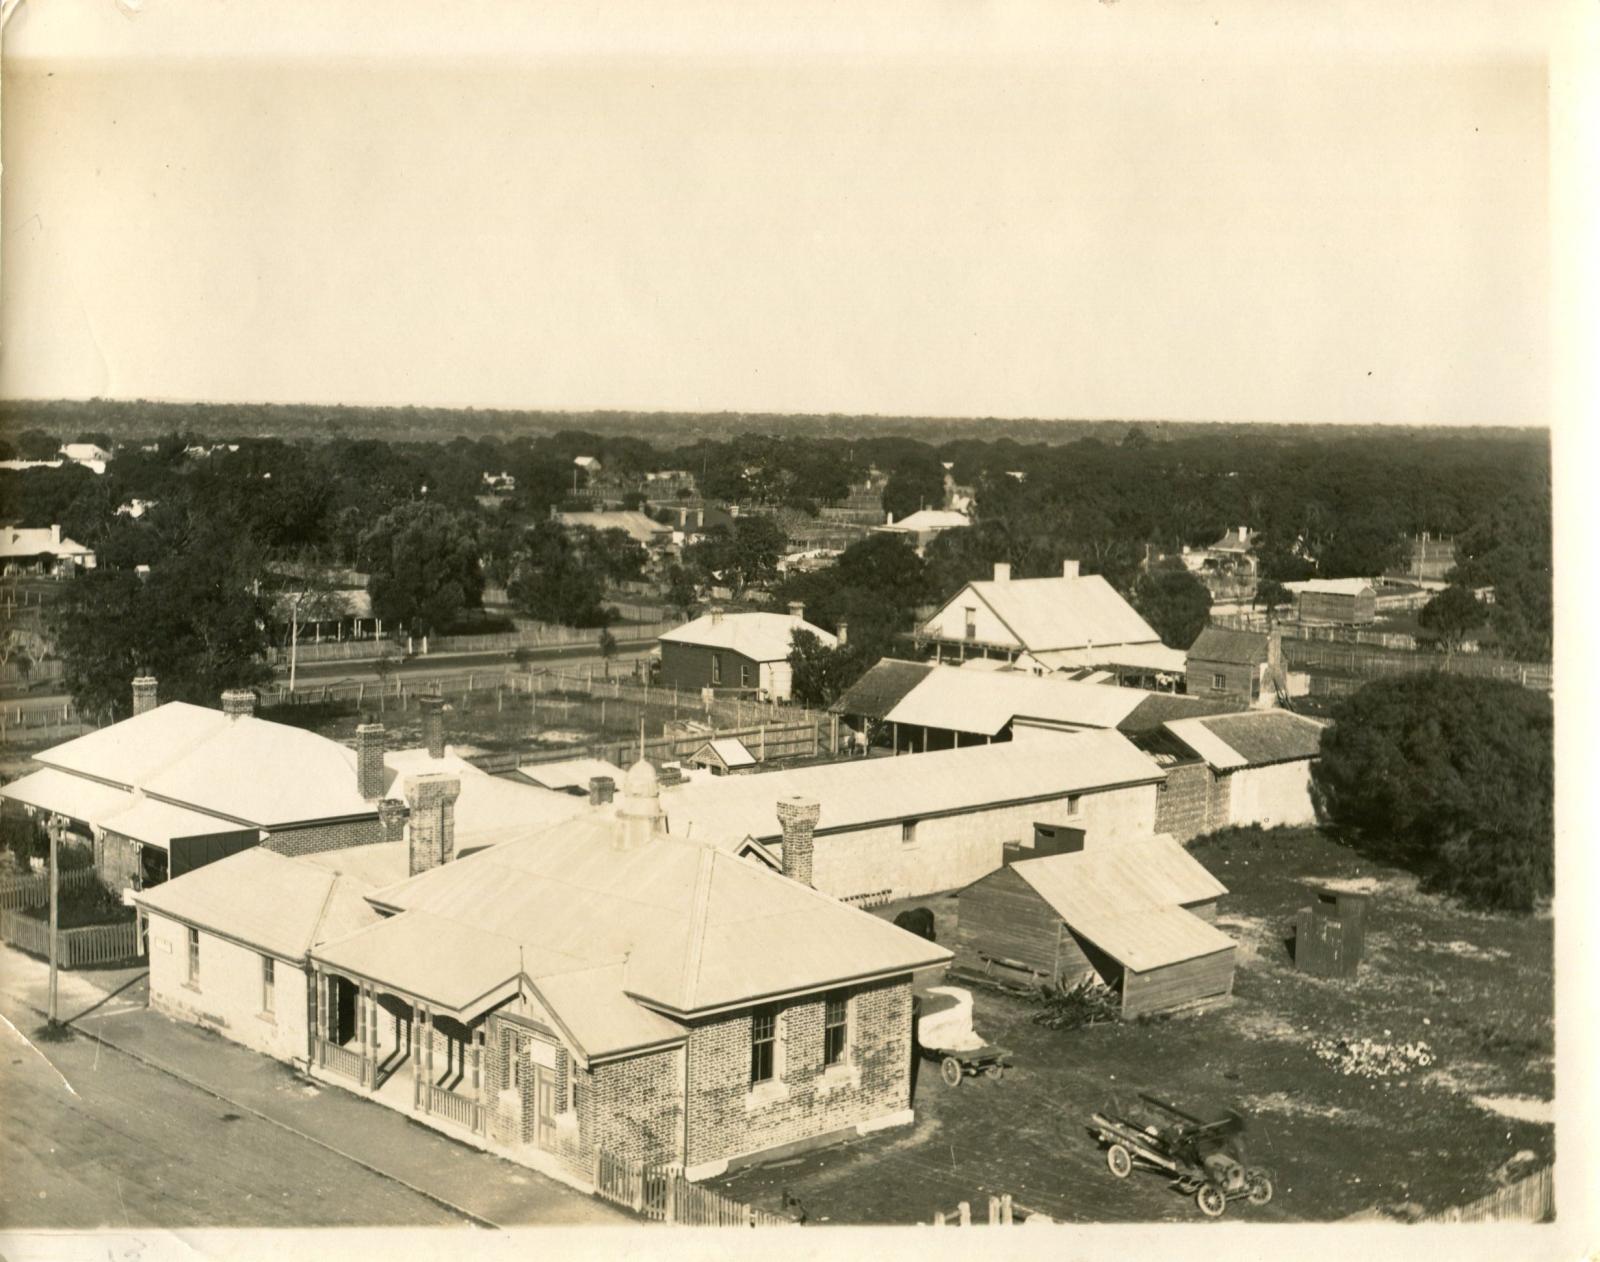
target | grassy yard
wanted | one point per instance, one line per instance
(1476, 988)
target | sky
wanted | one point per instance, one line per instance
(1170, 210)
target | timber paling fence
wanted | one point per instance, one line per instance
(663, 1195)
(544, 635)
(32, 889)
(81, 947)
(1530, 1200)
(1370, 662)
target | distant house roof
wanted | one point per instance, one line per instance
(1158, 708)
(762, 637)
(1253, 739)
(861, 792)
(1331, 586)
(18, 541)
(85, 451)
(1061, 613)
(881, 688)
(570, 773)
(636, 525)
(1127, 897)
(322, 606)
(268, 901)
(953, 699)
(1232, 542)
(1225, 644)
(930, 519)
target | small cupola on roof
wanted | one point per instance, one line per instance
(639, 816)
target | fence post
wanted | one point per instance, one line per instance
(1006, 1210)
(964, 1210)
(938, 1219)
(994, 1211)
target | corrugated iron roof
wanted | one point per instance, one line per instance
(1126, 897)
(699, 929)
(953, 699)
(1254, 739)
(1158, 708)
(570, 773)
(730, 750)
(762, 637)
(858, 792)
(1228, 644)
(70, 795)
(1150, 655)
(1331, 586)
(881, 688)
(156, 823)
(1061, 613)
(275, 904)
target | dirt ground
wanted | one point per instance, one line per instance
(1476, 988)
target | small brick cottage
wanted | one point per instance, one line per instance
(601, 986)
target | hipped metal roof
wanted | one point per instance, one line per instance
(762, 637)
(1060, 613)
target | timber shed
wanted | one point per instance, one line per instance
(1135, 915)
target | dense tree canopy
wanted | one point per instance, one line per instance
(194, 621)
(1452, 615)
(1175, 603)
(422, 560)
(558, 576)
(1451, 777)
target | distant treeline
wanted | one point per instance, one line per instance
(1323, 501)
(143, 418)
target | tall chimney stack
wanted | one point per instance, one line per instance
(797, 609)
(238, 703)
(798, 816)
(1069, 569)
(432, 799)
(369, 761)
(1002, 571)
(716, 614)
(432, 724)
(144, 694)
(844, 633)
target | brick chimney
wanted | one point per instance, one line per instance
(716, 614)
(1002, 571)
(238, 703)
(144, 694)
(798, 818)
(369, 761)
(1069, 569)
(432, 799)
(797, 609)
(392, 814)
(432, 725)
(55, 534)
(843, 635)
(601, 790)
(1244, 534)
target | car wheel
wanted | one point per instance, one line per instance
(1211, 1201)
(950, 1071)
(1119, 1161)
(1260, 1187)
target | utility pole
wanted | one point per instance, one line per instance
(54, 828)
(294, 636)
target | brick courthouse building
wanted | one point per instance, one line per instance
(593, 986)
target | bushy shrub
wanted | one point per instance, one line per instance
(1088, 1003)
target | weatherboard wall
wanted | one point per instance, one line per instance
(1279, 793)
(1187, 981)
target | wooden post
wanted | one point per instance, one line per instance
(938, 1219)
(994, 1211)
(414, 1040)
(964, 1211)
(55, 826)
(1006, 1210)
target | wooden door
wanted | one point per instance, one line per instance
(544, 1084)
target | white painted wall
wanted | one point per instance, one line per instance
(1279, 794)
(777, 680)
(955, 850)
(228, 998)
(951, 621)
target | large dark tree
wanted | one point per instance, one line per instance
(557, 579)
(1174, 603)
(194, 621)
(1451, 777)
(422, 560)
(1452, 615)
